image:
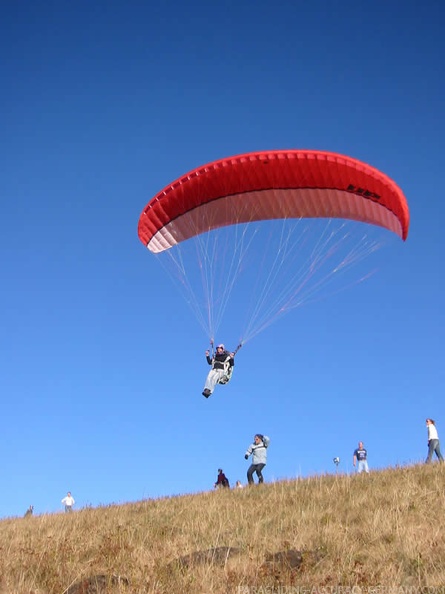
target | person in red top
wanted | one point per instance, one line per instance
(222, 480)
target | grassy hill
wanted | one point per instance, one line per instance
(376, 531)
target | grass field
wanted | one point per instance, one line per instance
(381, 533)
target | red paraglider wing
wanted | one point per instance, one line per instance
(272, 185)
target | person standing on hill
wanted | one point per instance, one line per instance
(222, 480)
(68, 502)
(258, 449)
(360, 458)
(433, 442)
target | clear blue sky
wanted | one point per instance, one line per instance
(102, 365)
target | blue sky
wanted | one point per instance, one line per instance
(102, 364)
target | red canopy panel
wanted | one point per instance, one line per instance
(272, 185)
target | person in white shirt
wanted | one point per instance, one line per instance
(68, 502)
(433, 441)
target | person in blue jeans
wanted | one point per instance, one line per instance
(360, 458)
(258, 450)
(433, 442)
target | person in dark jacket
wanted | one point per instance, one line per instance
(222, 480)
(222, 364)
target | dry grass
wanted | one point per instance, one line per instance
(382, 530)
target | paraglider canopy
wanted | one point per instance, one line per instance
(269, 230)
(272, 185)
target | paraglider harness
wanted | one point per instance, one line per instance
(228, 369)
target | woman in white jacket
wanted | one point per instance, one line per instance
(259, 457)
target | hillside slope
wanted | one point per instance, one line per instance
(379, 530)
